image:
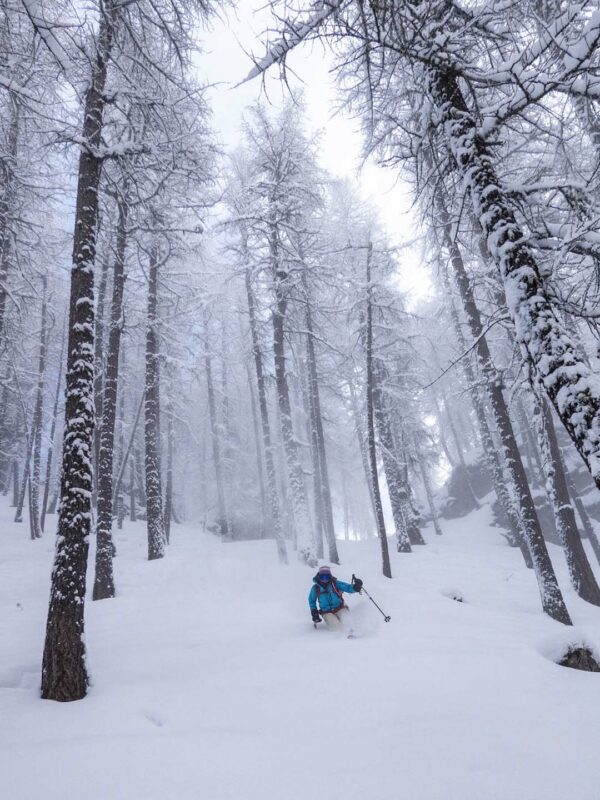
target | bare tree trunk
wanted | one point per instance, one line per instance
(385, 556)
(7, 197)
(49, 457)
(15, 483)
(393, 473)
(580, 571)
(37, 422)
(494, 459)
(555, 359)
(222, 509)
(586, 522)
(4, 436)
(169, 476)
(64, 673)
(132, 509)
(137, 460)
(104, 584)
(311, 433)
(139, 475)
(99, 366)
(345, 506)
(457, 444)
(550, 594)
(362, 445)
(317, 425)
(266, 429)
(154, 505)
(22, 490)
(297, 487)
(258, 449)
(428, 493)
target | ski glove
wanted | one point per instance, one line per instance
(357, 584)
(315, 615)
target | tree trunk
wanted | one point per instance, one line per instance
(154, 511)
(393, 472)
(314, 396)
(15, 483)
(423, 468)
(554, 358)
(385, 556)
(99, 366)
(7, 198)
(551, 596)
(104, 584)
(297, 488)
(24, 478)
(169, 477)
(37, 422)
(49, 457)
(586, 522)
(136, 458)
(493, 457)
(457, 444)
(64, 673)
(311, 434)
(132, 508)
(362, 444)
(580, 571)
(222, 509)
(264, 419)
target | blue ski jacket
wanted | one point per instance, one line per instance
(329, 595)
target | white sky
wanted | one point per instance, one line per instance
(226, 62)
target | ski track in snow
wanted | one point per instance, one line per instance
(210, 683)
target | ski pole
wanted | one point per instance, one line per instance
(385, 616)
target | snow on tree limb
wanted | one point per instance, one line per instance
(46, 32)
(8, 83)
(293, 34)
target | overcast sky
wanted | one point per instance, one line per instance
(226, 62)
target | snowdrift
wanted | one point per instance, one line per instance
(210, 682)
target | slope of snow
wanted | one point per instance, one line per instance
(209, 681)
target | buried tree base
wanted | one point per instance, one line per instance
(580, 658)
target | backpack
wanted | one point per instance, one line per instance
(335, 589)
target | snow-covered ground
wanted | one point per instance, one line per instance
(210, 683)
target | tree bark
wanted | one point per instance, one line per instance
(391, 467)
(154, 505)
(557, 363)
(7, 199)
(385, 556)
(64, 673)
(37, 421)
(264, 419)
(50, 455)
(297, 487)
(169, 476)
(550, 594)
(586, 522)
(222, 508)
(493, 457)
(423, 468)
(457, 445)
(580, 571)
(317, 426)
(132, 508)
(99, 367)
(104, 584)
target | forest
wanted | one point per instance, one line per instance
(214, 342)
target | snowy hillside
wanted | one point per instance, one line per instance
(210, 683)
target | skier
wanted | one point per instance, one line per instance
(327, 592)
